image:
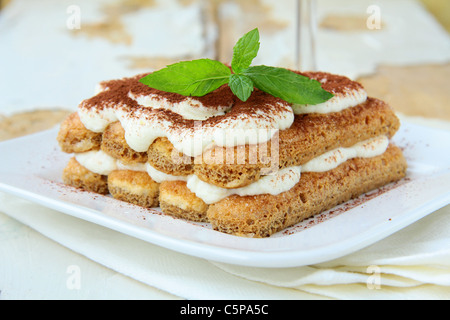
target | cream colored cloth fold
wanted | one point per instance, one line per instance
(414, 263)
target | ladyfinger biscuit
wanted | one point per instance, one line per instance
(163, 156)
(114, 144)
(177, 200)
(75, 175)
(134, 187)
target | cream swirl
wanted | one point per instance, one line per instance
(251, 122)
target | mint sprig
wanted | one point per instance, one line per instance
(202, 76)
(189, 78)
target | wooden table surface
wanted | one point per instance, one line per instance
(419, 90)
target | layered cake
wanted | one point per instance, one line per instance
(249, 168)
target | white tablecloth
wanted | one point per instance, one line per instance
(48, 255)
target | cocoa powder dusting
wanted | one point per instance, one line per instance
(115, 92)
(260, 104)
(333, 83)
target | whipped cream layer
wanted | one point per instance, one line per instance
(102, 163)
(274, 184)
(97, 161)
(252, 122)
(347, 94)
(283, 180)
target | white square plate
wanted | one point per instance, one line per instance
(31, 168)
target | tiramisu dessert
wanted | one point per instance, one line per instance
(249, 167)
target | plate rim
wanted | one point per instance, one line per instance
(278, 259)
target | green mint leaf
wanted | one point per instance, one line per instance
(287, 85)
(242, 86)
(202, 76)
(189, 78)
(245, 51)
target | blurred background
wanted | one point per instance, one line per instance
(54, 52)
